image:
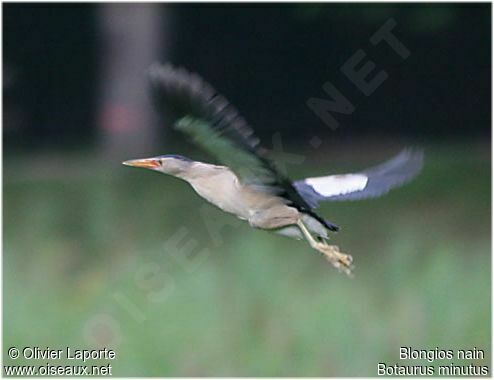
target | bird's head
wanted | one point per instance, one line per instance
(169, 164)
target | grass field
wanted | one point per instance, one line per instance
(97, 258)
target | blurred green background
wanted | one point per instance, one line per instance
(99, 255)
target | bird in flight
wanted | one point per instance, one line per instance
(248, 184)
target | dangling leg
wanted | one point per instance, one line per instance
(332, 253)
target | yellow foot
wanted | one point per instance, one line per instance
(340, 260)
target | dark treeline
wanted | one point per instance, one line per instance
(269, 60)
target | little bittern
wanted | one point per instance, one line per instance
(248, 184)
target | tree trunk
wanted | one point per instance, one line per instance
(132, 38)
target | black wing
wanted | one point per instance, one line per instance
(216, 126)
(368, 183)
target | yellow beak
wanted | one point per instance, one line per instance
(147, 163)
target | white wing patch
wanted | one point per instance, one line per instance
(337, 184)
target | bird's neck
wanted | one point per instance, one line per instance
(199, 170)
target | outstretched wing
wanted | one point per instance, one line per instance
(216, 126)
(369, 183)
